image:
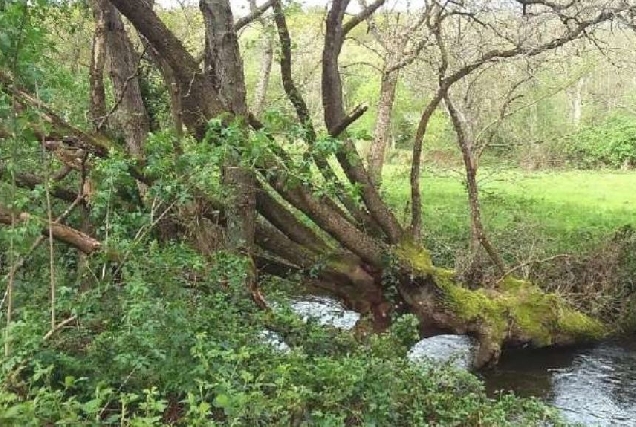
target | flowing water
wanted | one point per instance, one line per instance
(594, 386)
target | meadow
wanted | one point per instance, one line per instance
(529, 215)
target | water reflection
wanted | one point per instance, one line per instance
(592, 386)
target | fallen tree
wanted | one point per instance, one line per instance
(284, 225)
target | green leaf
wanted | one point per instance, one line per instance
(222, 401)
(69, 381)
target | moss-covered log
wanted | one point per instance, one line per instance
(516, 313)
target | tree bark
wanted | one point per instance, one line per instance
(96, 72)
(416, 165)
(267, 58)
(224, 68)
(382, 132)
(123, 63)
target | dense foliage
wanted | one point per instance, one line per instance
(172, 337)
(151, 352)
(158, 328)
(610, 144)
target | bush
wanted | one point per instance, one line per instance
(611, 143)
(158, 349)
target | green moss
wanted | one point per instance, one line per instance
(581, 326)
(540, 317)
(478, 306)
(516, 305)
(419, 258)
(512, 284)
(532, 313)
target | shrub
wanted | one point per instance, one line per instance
(161, 349)
(611, 143)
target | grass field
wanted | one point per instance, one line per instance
(528, 214)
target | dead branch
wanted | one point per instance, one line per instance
(347, 121)
(63, 233)
(58, 327)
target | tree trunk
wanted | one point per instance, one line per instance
(478, 234)
(123, 63)
(267, 58)
(334, 113)
(577, 101)
(176, 111)
(416, 166)
(382, 132)
(96, 72)
(224, 67)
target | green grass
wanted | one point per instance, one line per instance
(527, 214)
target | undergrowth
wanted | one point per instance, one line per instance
(152, 347)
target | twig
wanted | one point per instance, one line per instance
(527, 263)
(57, 327)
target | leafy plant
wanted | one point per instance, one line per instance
(612, 143)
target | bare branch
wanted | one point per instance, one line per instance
(63, 233)
(355, 115)
(366, 12)
(253, 16)
(59, 327)
(477, 228)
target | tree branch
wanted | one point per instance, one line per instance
(253, 16)
(347, 121)
(366, 12)
(63, 233)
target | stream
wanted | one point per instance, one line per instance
(594, 386)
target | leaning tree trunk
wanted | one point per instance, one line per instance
(515, 313)
(478, 234)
